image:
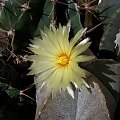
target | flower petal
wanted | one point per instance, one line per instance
(45, 75)
(52, 37)
(84, 58)
(84, 41)
(47, 43)
(37, 41)
(79, 49)
(70, 91)
(39, 51)
(62, 38)
(38, 58)
(54, 81)
(40, 67)
(79, 71)
(77, 81)
(65, 80)
(77, 37)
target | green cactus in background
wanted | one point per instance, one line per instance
(21, 21)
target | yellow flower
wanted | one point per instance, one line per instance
(55, 59)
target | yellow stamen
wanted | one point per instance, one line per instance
(63, 60)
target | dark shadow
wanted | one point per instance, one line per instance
(13, 109)
(103, 70)
(117, 112)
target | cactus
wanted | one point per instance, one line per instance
(110, 13)
(21, 21)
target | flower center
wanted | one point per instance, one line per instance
(63, 60)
